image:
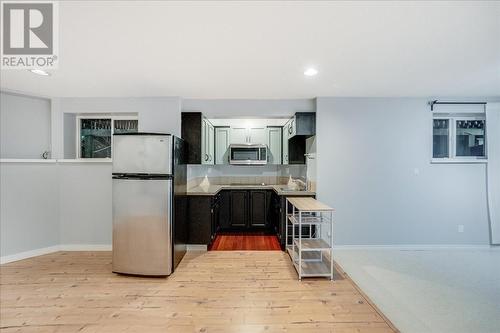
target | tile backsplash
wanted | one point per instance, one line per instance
(230, 174)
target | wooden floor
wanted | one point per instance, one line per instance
(215, 291)
(246, 242)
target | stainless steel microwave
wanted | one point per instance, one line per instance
(248, 154)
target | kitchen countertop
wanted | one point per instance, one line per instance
(214, 189)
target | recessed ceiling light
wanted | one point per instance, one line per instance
(39, 72)
(310, 71)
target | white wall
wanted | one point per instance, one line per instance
(374, 169)
(24, 126)
(220, 108)
(85, 203)
(29, 207)
(493, 169)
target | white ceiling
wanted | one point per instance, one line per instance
(259, 50)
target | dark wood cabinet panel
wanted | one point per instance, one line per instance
(281, 210)
(191, 133)
(258, 209)
(305, 123)
(239, 208)
(225, 210)
(296, 150)
(299, 128)
(200, 219)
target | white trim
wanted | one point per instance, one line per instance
(28, 254)
(452, 139)
(26, 160)
(52, 249)
(111, 117)
(85, 247)
(459, 160)
(24, 94)
(417, 247)
(196, 247)
(85, 160)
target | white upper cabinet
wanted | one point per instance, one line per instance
(222, 140)
(239, 135)
(285, 142)
(211, 143)
(274, 138)
(208, 142)
(257, 135)
(243, 135)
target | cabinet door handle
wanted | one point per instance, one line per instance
(206, 157)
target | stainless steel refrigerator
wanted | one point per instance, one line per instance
(149, 203)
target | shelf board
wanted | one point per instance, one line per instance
(309, 204)
(313, 255)
(316, 244)
(294, 219)
(315, 268)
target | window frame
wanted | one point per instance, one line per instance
(452, 140)
(99, 116)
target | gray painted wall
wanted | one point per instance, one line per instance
(156, 114)
(24, 126)
(374, 169)
(85, 203)
(246, 107)
(29, 207)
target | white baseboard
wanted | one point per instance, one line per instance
(28, 254)
(196, 247)
(416, 247)
(52, 249)
(85, 247)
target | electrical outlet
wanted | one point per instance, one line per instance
(461, 228)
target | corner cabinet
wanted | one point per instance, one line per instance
(199, 135)
(295, 133)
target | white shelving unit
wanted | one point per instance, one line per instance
(309, 237)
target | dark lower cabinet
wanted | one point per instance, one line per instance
(225, 210)
(239, 209)
(258, 209)
(245, 210)
(203, 218)
(200, 219)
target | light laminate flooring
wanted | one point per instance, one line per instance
(214, 291)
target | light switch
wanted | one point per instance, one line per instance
(460, 228)
(416, 171)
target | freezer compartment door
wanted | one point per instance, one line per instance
(147, 154)
(142, 226)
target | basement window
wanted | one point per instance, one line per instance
(95, 134)
(458, 138)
